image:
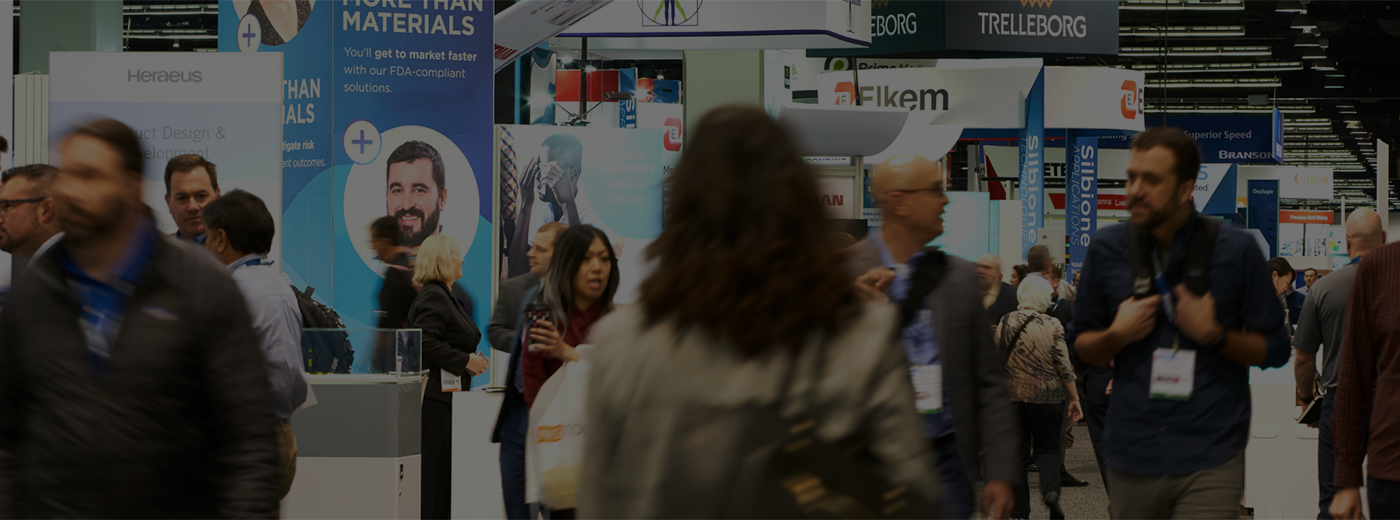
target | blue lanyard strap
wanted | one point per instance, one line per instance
(1168, 301)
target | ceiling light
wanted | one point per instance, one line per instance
(1208, 31)
(1253, 50)
(1307, 40)
(1333, 83)
(1314, 53)
(1195, 68)
(1323, 64)
(1219, 83)
(1178, 5)
(1303, 21)
(1290, 6)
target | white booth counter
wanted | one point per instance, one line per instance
(359, 445)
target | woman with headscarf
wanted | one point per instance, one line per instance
(1040, 381)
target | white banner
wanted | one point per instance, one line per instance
(726, 24)
(971, 98)
(225, 107)
(529, 23)
(838, 196)
(1093, 98)
(1293, 182)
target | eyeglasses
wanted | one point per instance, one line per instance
(936, 190)
(7, 204)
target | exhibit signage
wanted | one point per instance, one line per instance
(1032, 183)
(223, 107)
(1238, 139)
(1294, 182)
(1038, 26)
(1082, 211)
(1215, 189)
(617, 187)
(528, 23)
(1263, 212)
(972, 98)
(838, 196)
(726, 24)
(1278, 135)
(387, 111)
(1305, 217)
(898, 27)
(1098, 98)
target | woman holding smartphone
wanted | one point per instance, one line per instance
(449, 353)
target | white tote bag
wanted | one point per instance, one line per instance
(554, 442)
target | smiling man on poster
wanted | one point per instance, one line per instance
(417, 191)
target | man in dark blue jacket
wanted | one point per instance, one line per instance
(1182, 317)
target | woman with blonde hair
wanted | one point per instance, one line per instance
(449, 354)
(1040, 380)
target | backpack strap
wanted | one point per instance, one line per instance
(1200, 250)
(922, 282)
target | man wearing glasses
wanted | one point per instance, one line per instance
(966, 414)
(27, 212)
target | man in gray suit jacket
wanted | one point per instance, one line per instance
(949, 334)
(514, 417)
(502, 329)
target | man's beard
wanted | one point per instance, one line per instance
(429, 225)
(83, 225)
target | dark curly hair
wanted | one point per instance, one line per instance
(746, 255)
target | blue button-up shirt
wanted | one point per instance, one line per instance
(277, 321)
(104, 303)
(920, 341)
(1164, 437)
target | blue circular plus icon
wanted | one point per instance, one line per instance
(362, 142)
(249, 33)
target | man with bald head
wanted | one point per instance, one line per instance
(998, 297)
(1321, 322)
(967, 414)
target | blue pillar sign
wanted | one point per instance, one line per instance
(1032, 190)
(1082, 208)
(1263, 211)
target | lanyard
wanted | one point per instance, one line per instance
(1168, 301)
(1356, 260)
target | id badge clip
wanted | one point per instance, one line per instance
(928, 388)
(1173, 374)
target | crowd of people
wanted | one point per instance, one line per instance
(761, 373)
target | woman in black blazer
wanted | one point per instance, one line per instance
(449, 344)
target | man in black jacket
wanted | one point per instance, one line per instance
(998, 297)
(131, 381)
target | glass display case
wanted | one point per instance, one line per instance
(363, 352)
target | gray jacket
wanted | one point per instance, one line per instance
(973, 368)
(662, 440)
(501, 330)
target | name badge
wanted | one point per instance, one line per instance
(928, 388)
(451, 383)
(1173, 374)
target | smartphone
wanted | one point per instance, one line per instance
(534, 314)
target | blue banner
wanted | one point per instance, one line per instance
(1278, 135)
(303, 37)
(1240, 139)
(1032, 190)
(1082, 206)
(387, 111)
(1263, 211)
